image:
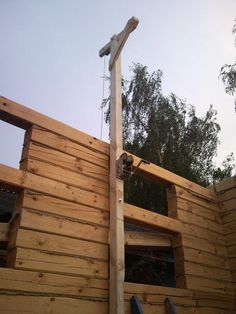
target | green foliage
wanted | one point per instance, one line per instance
(166, 131)
(228, 74)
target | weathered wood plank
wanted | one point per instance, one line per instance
(204, 245)
(43, 222)
(214, 300)
(64, 208)
(25, 304)
(206, 284)
(225, 185)
(59, 244)
(230, 239)
(206, 258)
(144, 217)
(198, 199)
(198, 270)
(229, 204)
(198, 210)
(24, 117)
(230, 227)
(228, 216)
(147, 239)
(41, 152)
(200, 221)
(58, 142)
(52, 284)
(4, 228)
(59, 174)
(227, 195)
(156, 173)
(50, 187)
(27, 259)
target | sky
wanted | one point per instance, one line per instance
(49, 58)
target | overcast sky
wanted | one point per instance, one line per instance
(49, 58)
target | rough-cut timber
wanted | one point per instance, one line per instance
(58, 241)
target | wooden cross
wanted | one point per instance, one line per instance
(117, 264)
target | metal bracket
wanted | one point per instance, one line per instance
(125, 168)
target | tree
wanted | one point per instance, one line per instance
(166, 131)
(228, 74)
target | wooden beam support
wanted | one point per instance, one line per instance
(117, 267)
(159, 174)
(143, 217)
(24, 118)
(147, 239)
(4, 228)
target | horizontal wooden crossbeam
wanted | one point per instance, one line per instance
(147, 239)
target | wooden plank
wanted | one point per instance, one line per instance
(58, 142)
(229, 205)
(198, 210)
(232, 250)
(228, 216)
(230, 227)
(205, 258)
(198, 199)
(63, 208)
(59, 244)
(24, 117)
(172, 202)
(207, 271)
(43, 222)
(147, 239)
(225, 185)
(204, 245)
(200, 221)
(50, 187)
(206, 284)
(203, 233)
(156, 173)
(134, 288)
(156, 221)
(156, 299)
(227, 195)
(230, 239)
(214, 300)
(147, 218)
(52, 284)
(52, 156)
(24, 304)
(27, 259)
(59, 174)
(4, 228)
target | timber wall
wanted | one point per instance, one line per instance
(59, 237)
(226, 191)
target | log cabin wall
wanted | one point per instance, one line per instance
(204, 254)
(226, 191)
(59, 235)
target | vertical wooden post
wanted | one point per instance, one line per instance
(117, 266)
(117, 263)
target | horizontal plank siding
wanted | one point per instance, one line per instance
(59, 244)
(36, 220)
(27, 259)
(62, 208)
(26, 180)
